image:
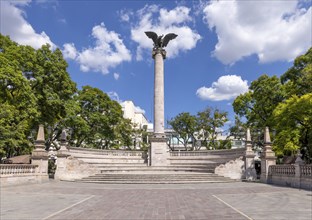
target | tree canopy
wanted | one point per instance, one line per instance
(97, 121)
(201, 127)
(293, 123)
(258, 104)
(284, 104)
(37, 89)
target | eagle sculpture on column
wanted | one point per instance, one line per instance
(160, 41)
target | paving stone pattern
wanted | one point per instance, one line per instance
(236, 200)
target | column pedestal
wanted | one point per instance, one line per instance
(249, 159)
(40, 156)
(158, 152)
(267, 158)
(61, 161)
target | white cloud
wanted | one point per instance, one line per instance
(162, 21)
(70, 51)
(116, 76)
(14, 24)
(114, 96)
(273, 30)
(62, 20)
(226, 88)
(108, 52)
(125, 15)
(175, 16)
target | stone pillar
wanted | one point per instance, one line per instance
(159, 55)
(64, 145)
(249, 159)
(61, 160)
(39, 156)
(159, 150)
(268, 157)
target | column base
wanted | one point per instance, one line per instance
(265, 164)
(158, 152)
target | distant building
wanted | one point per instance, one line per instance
(137, 117)
(130, 111)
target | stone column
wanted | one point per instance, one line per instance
(159, 55)
(39, 156)
(268, 157)
(62, 155)
(250, 171)
(158, 152)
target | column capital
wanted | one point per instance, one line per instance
(159, 50)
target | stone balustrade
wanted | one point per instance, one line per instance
(298, 176)
(282, 170)
(306, 171)
(112, 153)
(238, 151)
(17, 169)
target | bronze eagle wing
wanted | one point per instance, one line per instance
(152, 35)
(167, 38)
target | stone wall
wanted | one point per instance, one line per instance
(222, 162)
(71, 168)
(233, 169)
(77, 163)
(19, 174)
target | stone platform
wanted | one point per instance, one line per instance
(222, 201)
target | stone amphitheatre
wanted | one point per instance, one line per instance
(157, 184)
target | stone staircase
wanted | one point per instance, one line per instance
(131, 166)
(155, 178)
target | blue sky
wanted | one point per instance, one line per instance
(222, 46)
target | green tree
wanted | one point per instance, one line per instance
(284, 105)
(53, 88)
(298, 78)
(45, 73)
(208, 123)
(17, 102)
(96, 121)
(124, 133)
(258, 104)
(204, 127)
(185, 126)
(238, 129)
(293, 123)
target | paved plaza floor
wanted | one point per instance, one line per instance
(238, 200)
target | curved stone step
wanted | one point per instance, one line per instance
(154, 178)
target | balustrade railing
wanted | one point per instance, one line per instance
(290, 170)
(294, 175)
(108, 152)
(8, 169)
(306, 170)
(282, 170)
(238, 151)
